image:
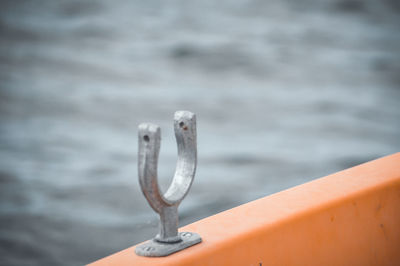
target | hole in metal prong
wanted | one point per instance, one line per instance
(146, 138)
(182, 125)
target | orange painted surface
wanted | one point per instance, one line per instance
(349, 218)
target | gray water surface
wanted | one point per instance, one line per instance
(284, 92)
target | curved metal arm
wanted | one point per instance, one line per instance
(149, 147)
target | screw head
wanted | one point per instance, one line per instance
(148, 248)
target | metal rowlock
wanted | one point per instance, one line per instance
(168, 240)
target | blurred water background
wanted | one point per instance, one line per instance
(285, 91)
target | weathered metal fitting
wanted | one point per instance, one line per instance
(168, 240)
(153, 248)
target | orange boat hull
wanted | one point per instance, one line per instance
(349, 218)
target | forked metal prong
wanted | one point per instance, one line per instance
(168, 240)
